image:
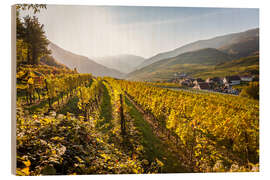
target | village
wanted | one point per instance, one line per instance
(225, 84)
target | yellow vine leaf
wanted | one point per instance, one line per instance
(27, 163)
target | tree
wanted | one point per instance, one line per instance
(35, 7)
(36, 40)
(19, 24)
(251, 91)
(31, 42)
(21, 51)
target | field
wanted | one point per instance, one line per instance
(71, 123)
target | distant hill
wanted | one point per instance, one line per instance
(237, 44)
(243, 48)
(243, 66)
(186, 62)
(124, 63)
(82, 63)
(207, 56)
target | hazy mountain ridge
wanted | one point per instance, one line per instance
(223, 43)
(183, 59)
(204, 57)
(243, 48)
(82, 63)
(244, 66)
(124, 63)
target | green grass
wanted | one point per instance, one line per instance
(106, 112)
(70, 107)
(152, 145)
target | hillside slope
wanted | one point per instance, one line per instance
(234, 44)
(186, 62)
(82, 63)
(243, 66)
(244, 48)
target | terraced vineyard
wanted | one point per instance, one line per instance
(70, 123)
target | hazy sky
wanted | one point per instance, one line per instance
(145, 31)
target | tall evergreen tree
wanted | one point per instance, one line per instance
(36, 40)
(31, 39)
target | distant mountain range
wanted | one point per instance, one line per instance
(124, 63)
(234, 44)
(82, 63)
(199, 56)
(186, 62)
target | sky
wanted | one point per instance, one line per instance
(97, 31)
